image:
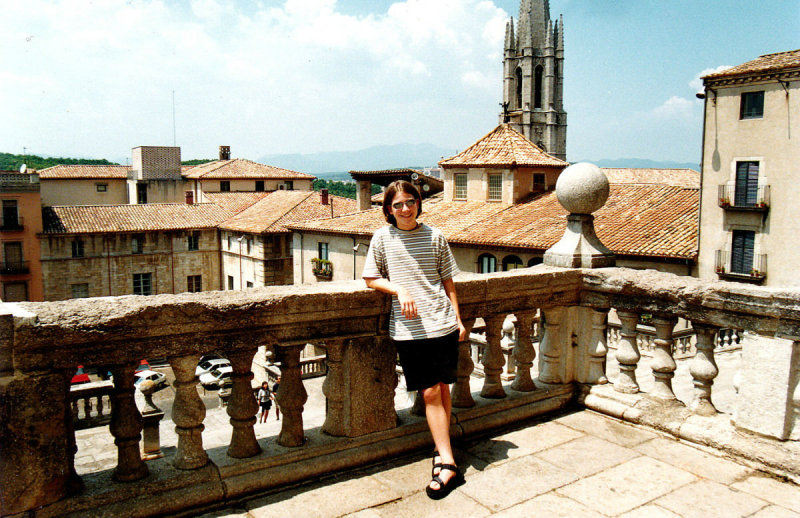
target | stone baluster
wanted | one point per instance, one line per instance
(627, 353)
(598, 348)
(524, 353)
(550, 348)
(462, 394)
(188, 413)
(493, 359)
(418, 407)
(151, 420)
(291, 397)
(333, 388)
(126, 427)
(242, 407)
(87, 407)
(703, 369)
(663, 363)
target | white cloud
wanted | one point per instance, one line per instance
(675, 108)
(96, 77)
(696, 84)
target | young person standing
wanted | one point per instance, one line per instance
(413, 263)
(264, 401)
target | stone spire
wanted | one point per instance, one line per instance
(559, 32)
(511, 42)
(524, 25)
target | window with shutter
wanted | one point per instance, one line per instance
(742, 251)
(746, 194)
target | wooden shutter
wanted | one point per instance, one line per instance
(742, 251)
(746, 184)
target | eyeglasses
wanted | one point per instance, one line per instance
(408, 203)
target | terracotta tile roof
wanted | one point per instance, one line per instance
(778, 61)
(503, 147)
(638, 220)
(235, 201)
(85, 172)
(131, 218)
(386, 172)
(281, 208)
(675, 177)
(439, 196)
(240, 168)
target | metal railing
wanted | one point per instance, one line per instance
(14, 267)
(724, 267)
(9, 224)
(750, 198)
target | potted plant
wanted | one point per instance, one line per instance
(724, 202)
(720, 269)
(322, 268)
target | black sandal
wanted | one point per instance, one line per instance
(445, 489)
(436, 465)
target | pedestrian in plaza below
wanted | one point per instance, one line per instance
(265, 401)
(275, 388)
(413, 262)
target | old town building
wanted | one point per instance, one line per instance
(499, 211)
(750, 172)
(21, 221)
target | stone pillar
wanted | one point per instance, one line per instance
(36, 438)
(126, 427)
(188, 413)
(663, 363)
(550, 346)
(364, 194)
(242, 407)
(627, 353)
(769, 390)
(151, 422)
(597, 348)
(333, 388)
(703, 369)
(292, 396)
(493, 359)
(462, 394)
(418, 408)
(524, 353)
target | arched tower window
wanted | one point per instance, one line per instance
(538, 76)
(518, 77)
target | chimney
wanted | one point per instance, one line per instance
(189, 197)
(224, 152)
(323, 196)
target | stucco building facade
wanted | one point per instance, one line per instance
(20, 222)
(750, 186)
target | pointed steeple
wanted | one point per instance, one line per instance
(560, 33)
(511, 42)
(548, 36)
(539, 18)
(524, 25)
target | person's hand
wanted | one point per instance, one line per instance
(407, 305)
(462, 332)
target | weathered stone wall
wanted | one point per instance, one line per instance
(108, 264)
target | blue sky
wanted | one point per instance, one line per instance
(94, 78)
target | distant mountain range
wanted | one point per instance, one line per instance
(336, 164)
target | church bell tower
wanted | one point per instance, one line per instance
(533, 77)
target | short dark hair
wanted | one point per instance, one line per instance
(388, 195)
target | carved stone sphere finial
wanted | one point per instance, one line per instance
(582, 188)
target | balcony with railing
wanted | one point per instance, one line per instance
(42, 342)
(740, 269)
(14, 268)
(750, 198)
(11, 223)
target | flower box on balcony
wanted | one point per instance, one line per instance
(724, 203)
(322, 268)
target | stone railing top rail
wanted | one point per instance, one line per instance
(767, 311)
(49, 335)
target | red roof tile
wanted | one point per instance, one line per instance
(503, 147)
(779, 61)
(675, 177)
(240, 168)
(235, 201)
(281, 208)
(96, 172)
(131, 218)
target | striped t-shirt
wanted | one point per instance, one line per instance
(419, 260)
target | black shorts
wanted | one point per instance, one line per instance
(266, 405)
(429, 361)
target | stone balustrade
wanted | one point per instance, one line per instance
(41, 342)
(91, 404)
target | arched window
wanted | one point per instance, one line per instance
(518, 75)
(538, 75)
(534, 261)
(487, 263)
(511, 262)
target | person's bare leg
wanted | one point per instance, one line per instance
(439, 423)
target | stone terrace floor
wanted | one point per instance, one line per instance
(576, 465)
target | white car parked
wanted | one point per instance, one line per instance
(209, 365)
(157, 378)
(217, 377)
